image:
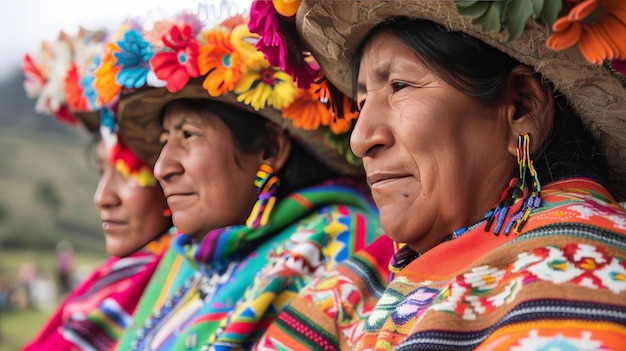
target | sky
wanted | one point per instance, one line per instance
(25, 23)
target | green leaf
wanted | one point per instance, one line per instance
(472, 9)
(550, 12)
(537, 8)
(518, 12)
(492, 20)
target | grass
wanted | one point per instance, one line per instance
(18, 326)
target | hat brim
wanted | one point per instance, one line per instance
(140, 127)
(335, 29)
(89, 119)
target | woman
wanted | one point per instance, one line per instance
(256, 171)
(135, 220)
(495, 158)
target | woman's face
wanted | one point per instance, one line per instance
(131, 215)
(208, 181)
(436, 159)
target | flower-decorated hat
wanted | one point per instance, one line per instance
(578, 45)
(59, 77)
(145, 67)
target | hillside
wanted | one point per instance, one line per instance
(47, 179)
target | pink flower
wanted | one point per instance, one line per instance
(176, 67)
(276, 34)
(619, 65)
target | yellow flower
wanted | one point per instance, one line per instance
(262, 85)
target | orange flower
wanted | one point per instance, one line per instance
(287, 8)
(598, 26)
(307, 112)
(341, 113)
(222, 63)
(104, 82)
(342, 125)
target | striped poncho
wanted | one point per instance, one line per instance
(328, 314)
(223, 291)
(559, 285)
(94, 314)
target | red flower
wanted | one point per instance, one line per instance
(176, 67)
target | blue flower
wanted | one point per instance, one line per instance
(86, 82)
(133, 58)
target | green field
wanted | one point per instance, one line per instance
(30, 228)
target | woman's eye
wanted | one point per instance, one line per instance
(397, 86)
(187, 134)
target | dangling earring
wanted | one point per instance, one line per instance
(525, 186)
(267, 183)
(167, 212)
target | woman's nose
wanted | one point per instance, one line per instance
(106, 195)
(167, 165)
(370, 132)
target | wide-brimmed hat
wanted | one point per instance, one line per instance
(587, 73)
(59, 77)
(142, 69)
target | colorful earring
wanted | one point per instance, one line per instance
(167, 212)
(267, 183)
(525, 186)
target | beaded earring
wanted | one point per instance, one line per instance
(267, 183)
(525, 186)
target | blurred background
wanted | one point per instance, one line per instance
(48, 221)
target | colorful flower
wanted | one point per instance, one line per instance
(307, 112)
(133, 58)
(86, 82)
(104, 82)
(222, 63)
(287, 8)
(598, 26)
(73, 90)
(33, 79)
(179, 65)
(277, 33)
(342, 113)
(619, 65)
(262, 85)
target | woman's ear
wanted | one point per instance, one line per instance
(533, 107)
(278, 146)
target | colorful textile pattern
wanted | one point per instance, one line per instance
(226, 289)
(94, 315)
(560, 284)
(329, 313)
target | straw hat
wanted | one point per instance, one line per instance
(141, 69)
(334, 29)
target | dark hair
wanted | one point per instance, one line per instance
(481, 71)
(301, 169)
